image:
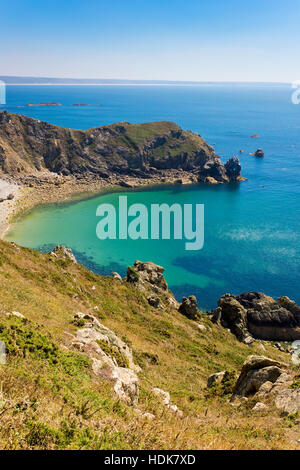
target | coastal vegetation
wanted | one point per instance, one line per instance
(51, 397)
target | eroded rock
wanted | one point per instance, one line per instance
(256, 371)
(189, 307)
(111, 357)
(259, 316)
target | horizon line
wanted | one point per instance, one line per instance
(29, 80)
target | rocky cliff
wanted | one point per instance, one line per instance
(256, 315)
(29, 147)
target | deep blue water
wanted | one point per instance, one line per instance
(252, 230)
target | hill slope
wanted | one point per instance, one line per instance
(51, 397)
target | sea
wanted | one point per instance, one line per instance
(251, 229)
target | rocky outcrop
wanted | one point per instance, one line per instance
(61, 252)
(29, 147)
(233, 169)
(212, 172)
(254, 314)
(111, 357)
(231, 314)
(267, 380)
(145, 273)
(189, 307)
(148, 277)
(255, 372)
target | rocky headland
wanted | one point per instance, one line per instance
(49, 163)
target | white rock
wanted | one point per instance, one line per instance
(15, 314)
(202, 327)
(259, 407)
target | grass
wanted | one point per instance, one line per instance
(50, 399)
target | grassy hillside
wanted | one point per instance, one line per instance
(50, 398)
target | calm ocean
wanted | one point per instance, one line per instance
(252, 230)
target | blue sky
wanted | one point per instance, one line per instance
(215, 40)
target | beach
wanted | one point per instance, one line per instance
(7, 205)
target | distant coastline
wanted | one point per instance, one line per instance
(50, 81)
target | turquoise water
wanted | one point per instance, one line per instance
(252, 230)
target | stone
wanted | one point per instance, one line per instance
(216, 378)
(260, 407)
(210, 180)
(16, 314)
(166, 399)
(147, 272)
(145, 415)
(288, 401)
(234, 316)
(117, 277)
(154, 301)
(255, 372)
(165, 396)
(125, 380)
(90, 339)
(189, 307)
(202, 327)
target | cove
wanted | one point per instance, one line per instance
(251, 239)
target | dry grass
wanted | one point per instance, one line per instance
(50, 406)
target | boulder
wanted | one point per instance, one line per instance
(288, 401)
(216, 378)
(202, 327)
(260, 406)
(256, 371)
(16, 314)
(189, 307)
(117, 277)
(166, 399)
(154, 301)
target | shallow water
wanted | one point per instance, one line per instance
(252, 230)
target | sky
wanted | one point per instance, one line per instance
(212, 40)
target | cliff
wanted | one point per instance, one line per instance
(29, 147)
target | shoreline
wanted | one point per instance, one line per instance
(7, 206)
(36, 191)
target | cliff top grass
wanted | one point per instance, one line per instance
(50, 398)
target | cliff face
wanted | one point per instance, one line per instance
(29, 146)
